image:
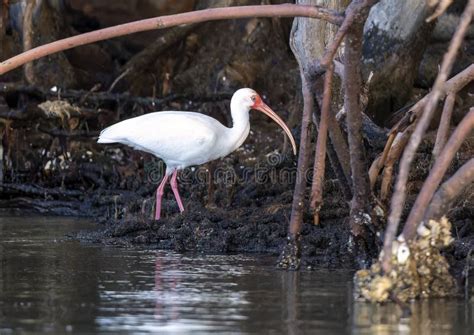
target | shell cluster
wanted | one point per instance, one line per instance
(418, 268)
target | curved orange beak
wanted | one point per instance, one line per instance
(262, 107)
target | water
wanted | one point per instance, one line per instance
(51, 284)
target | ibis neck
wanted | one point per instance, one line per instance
(240, 125)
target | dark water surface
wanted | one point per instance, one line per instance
(51, 284)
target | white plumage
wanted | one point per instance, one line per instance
(181, 139)
(184, 139)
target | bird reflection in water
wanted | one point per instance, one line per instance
(164, 287)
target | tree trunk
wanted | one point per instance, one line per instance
(308, 41)
(395, 37)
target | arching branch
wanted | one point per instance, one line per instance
(212, 14)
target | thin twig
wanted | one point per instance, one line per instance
(380, 161)
(437, 173)
(449, 191)
(338, 141)
(320, 154)
(444, 123)
(398, 198)
(396, 151)
(119, 77)
(440, 9)
(297, 207)
(212, 14)
(374, 170)
(340, 167)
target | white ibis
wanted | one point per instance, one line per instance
(183, 139)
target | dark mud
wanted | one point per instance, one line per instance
(261, 227)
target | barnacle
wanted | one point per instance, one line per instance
(418, 268)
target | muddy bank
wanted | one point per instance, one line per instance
(52, 164)
(257, 227)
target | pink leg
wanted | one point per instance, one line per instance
(174, 187)
(159, 195)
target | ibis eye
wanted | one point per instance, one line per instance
(253, 97)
